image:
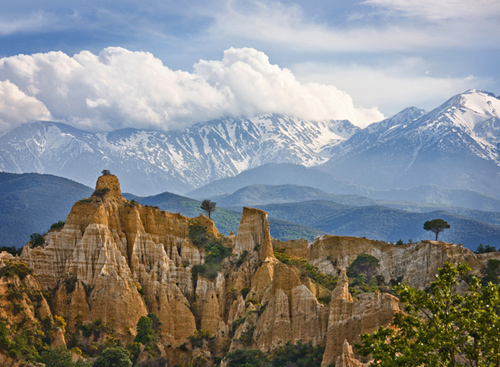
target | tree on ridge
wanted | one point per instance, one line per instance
(436, 225)
(208, 206)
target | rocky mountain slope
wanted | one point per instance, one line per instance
(153, 161)
(456, 145)
(116, 261)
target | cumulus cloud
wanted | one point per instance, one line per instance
(120, 88)
(16, 107)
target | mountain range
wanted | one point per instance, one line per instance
(455, 146)
(150, 162)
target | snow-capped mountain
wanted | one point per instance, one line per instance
(149, 161)
(456, 145)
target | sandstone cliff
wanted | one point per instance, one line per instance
(115, 261)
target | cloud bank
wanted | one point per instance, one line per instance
(119, 88)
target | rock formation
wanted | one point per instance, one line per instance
(115, 261)
(350, 318)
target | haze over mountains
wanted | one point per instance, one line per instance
(445, 162)
(456, 145)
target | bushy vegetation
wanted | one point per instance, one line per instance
(441, 326)
(36, 239)
(481, 249)
(289, 355)
(215, 251)
(491, 272)
(13, 268)
(58, 224)
(306, 269)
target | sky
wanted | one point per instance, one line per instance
(103, 65)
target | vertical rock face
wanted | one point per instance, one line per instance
(253, 232)
(350, 318)
(115, 261)
(127, 259)
(347, 358)
(416, 264)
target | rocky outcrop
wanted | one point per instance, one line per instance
(350, 318)
(347, 358)
(415, 264)
(116, 260)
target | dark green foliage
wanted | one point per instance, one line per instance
(363, 264)
(147, 335)
(145, 331)
(289, 355)
(208, 206)
(36, 239)
(481, 249)
(246, 337)
(13, 268)
(57, 357)
(156, 321)
(298, 355)
(436, 226)
(246, 358)
(100, 193)
(58, 224)
(113, 357)
(215, 251)
(441, 326)
(241, 258)
(245, 291)
(11, 250)
(491, 271)
(198, 338)
(4, 337)
(70, 283)
(400, 242)
(306, 269)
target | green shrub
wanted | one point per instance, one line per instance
(59, 224)
(491, 271)
(306, 269)
(246, 337)
(198, 337)
(246, 358)
(13, 268)
(363, 264)
(113, 357)
(36, 239)
(70, 283)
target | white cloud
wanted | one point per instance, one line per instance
(16, 107)
(442, 9)
(392, 87)
(119, 88)
(26, 23)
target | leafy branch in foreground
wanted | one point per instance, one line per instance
(441, 326)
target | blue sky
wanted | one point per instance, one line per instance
(373, 57)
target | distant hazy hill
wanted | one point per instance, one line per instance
(225, 220)
(227, 190)
(31, 202)
(255, 195)
(381, 223)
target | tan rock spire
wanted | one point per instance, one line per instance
(109, 182)
(341, 291)
(347, 358)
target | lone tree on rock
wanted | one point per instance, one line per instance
(208, 206)
(436, 225)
